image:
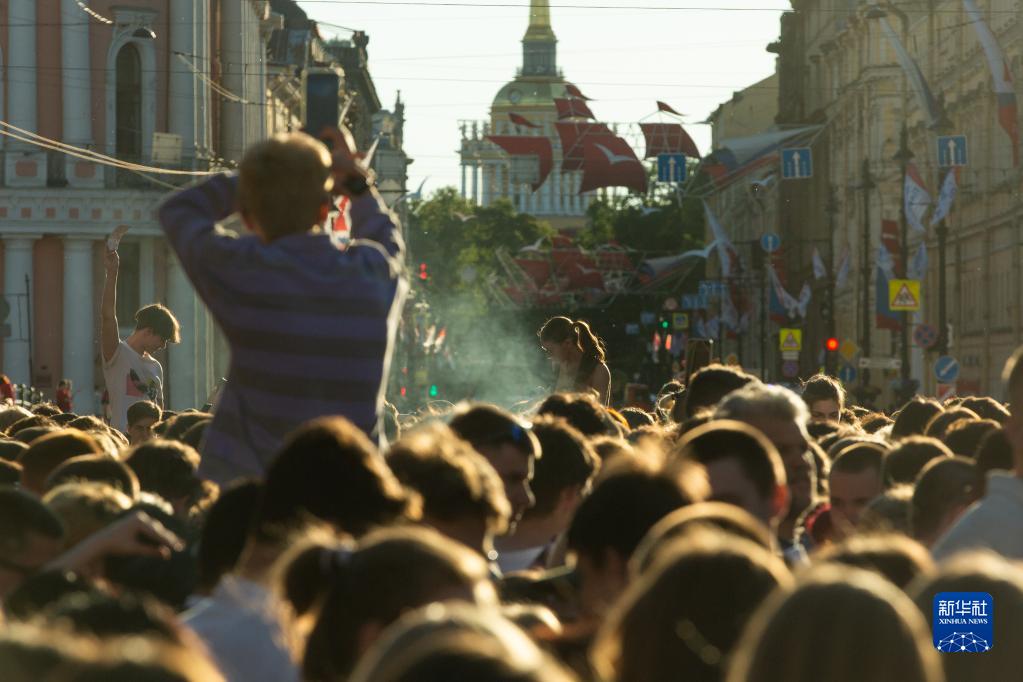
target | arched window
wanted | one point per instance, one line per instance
(129, 104)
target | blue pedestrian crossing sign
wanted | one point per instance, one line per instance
(770, 242)
(671, 167)
(796, 163)
(946, 369)
(952, 151)
(847, 374)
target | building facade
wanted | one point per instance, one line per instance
(838, 68)
(488, 174)
(178, 84)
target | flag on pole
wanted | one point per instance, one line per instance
(884, 317)
(1001, 74)
(784, 299)
(844, 266)
(917, 199)
(820, 271)
(805, 294)
(918, 266)
(341, 221)
(522, 121)
(729, 313)
(727, 254)
(949, 189)
(666, 108)
(922, 91)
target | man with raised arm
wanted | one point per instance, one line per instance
(131, 372)
(311, 326)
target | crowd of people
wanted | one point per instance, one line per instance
(740, 531)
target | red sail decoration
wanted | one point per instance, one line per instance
(521, 145)
(668, 138)
(661, 106)
(574, 139)
(575, 92)
(522, 121)
(572, 108)
(610, 162)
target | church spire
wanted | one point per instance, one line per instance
(539, 46)
(539, 21)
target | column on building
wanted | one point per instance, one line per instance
(500, 170)
(77, 94)
(147, 270)
(79, 356)
(180, 390)
(17, 283)
(181, 97)
(545, 190)
(557, 180)
(28, 167)
(475, 169)
(233, 133)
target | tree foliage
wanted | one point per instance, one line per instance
(658, 223)
(459, 242)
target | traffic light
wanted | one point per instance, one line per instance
(433, 390)
(665, 324)
(423, 274)
(831, 344)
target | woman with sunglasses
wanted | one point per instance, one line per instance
(580, 356)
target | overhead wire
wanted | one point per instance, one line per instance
(29, 137)
(216, 87)
(637, 8)
(93, 13)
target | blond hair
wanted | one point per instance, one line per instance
(284, 182)
(85, 507)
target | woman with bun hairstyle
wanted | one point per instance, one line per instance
(580, 355)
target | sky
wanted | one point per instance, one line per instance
(450, 61)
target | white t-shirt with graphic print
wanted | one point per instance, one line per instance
(131, 378)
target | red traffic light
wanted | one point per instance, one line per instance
(422, 272)
(831, 344)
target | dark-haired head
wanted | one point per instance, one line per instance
(712, 383)
(329, 471)
(912, 419)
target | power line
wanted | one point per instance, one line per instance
(640, 8)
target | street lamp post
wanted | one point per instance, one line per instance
(867, 184)
(903, 156)
(831, 209)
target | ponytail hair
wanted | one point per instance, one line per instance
(342, 588)
(589, 343)
(558, 329)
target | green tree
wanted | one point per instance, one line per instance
(459, 244)
(657, 222)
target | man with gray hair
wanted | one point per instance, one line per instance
(781, 415)
(996, 521)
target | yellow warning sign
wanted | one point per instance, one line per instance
(904, 294)
(790, 339)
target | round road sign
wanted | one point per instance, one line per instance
(790, 369)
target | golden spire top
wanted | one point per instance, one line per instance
(539, 21)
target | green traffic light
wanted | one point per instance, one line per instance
(433, 391)
(664, 324)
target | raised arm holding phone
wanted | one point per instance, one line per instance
(310, 326)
